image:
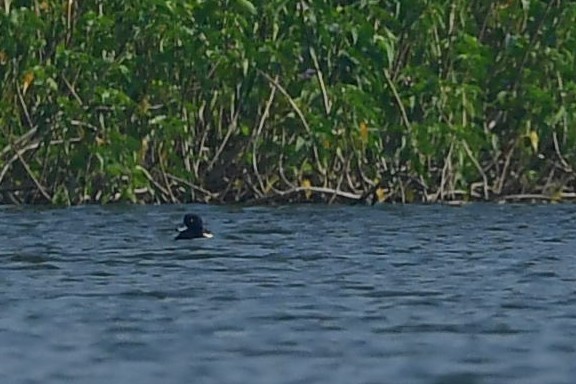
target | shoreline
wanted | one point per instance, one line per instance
(321, 196)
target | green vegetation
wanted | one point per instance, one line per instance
(259, 100)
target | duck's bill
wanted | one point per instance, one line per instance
(181, 229)
(208, 235)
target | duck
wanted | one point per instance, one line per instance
(194, 229)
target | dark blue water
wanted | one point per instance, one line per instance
(298, 294)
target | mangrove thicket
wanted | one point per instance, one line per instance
(278, 100)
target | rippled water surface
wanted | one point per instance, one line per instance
(295, 294)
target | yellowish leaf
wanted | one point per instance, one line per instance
(505, 4)
(409, 195)
(144, 104)
(556, 196)
(144, 145)
(270, 183)
(534, 140)
(306, 184)
(364, 132)
(3, 57)
(380, 194)
(81, 132)
(27, 81)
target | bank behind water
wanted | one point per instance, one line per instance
(252, 101)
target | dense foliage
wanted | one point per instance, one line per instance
(257, 100)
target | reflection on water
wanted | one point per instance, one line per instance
(295, 294)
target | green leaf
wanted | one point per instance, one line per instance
(248, 6)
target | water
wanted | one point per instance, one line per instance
(297, 294)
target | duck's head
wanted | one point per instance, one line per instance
(193, 229)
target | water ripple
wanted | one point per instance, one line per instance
(289, 294)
